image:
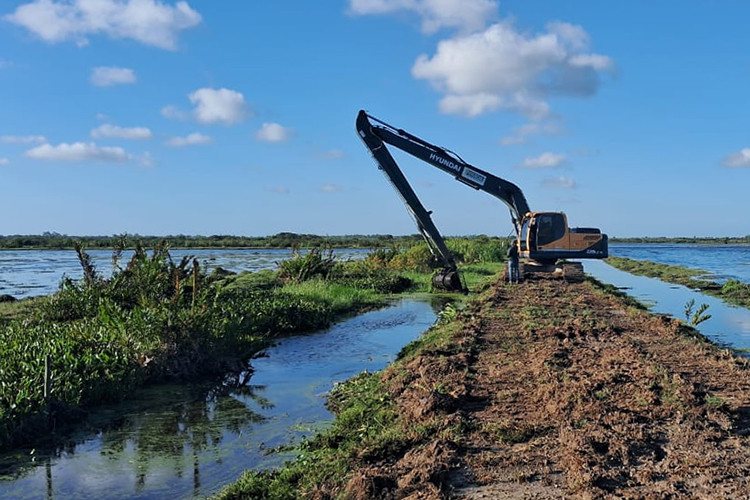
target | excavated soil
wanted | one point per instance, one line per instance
(551, 390)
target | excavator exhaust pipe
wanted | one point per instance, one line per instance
(448, 280)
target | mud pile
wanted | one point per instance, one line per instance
(559, 390)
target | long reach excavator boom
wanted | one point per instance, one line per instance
(542, 237)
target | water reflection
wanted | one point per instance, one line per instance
(170, 427)
(187, 441)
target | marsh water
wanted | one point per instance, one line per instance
(185, 441)
(27, 273)
(721, 261)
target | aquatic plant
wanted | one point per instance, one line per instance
(317, 262)
(447, 314)
(697, 317)
(736, 290)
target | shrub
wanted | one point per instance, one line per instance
(302, 267)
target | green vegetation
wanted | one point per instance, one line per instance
(732, 291)
(281, 240)
(158, 319)
(697, 317)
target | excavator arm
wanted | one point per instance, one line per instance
(448, 278)
(375, 132)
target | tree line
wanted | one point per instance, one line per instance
(279, 240)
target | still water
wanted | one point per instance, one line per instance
(721, 261)
(186, 441)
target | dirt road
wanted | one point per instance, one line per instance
(557, 390)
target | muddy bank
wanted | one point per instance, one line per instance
(551, 390)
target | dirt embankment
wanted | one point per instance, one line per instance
(556, 390)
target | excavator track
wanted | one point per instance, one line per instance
(572, 272)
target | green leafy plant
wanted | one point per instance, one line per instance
(301, 267)
(447, 314)
(697, 317)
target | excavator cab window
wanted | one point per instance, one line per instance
(524, 236)
(550, 227)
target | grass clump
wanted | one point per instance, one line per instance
(315, 263)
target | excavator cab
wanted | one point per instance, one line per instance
(545, 238)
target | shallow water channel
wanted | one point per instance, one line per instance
(728, 326)
(185, 441)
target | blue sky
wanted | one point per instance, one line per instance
(237, 117)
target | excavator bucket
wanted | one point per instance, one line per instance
(448, 280)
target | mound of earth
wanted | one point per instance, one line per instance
(551, 390)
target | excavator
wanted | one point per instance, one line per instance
(543, 239)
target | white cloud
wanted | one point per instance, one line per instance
(4, 63)
(4, 162)
(273, 132)
(79, 152)
(330, 154)
(502, 68)
(739, 159)
(191, 140)
(331, 188)
(544, 160)
(520, 135)
(174, 113)
(559, 182)
(106, 76)
(146, 160)
(573, 35)
(467, 15)
(107, 130)
(151, 22)
(595, 61)
(277, 189)
(22, 139)
(217, 106)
